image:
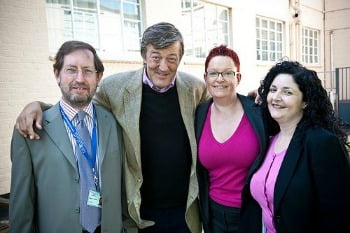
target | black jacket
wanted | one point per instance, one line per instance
(312, 191)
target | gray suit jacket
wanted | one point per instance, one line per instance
(122, 94)
(45, 187)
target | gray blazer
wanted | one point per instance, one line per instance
(122, 94)
(45, 187)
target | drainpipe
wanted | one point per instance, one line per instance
(324, 40)
(331, 35)
(333, 95)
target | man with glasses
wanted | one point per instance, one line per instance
(70, 179)
(155, 107)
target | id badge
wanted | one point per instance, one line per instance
(94, 199)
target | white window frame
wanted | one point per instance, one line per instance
(190, 31)
(270, 40)
(310, 46)
(64, 27)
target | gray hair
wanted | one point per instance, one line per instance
(161, 35)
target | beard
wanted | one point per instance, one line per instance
(77, 100)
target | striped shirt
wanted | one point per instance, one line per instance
(89, 122)
(73, 117)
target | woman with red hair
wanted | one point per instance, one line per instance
(231, 136)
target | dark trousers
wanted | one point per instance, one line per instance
(167, 220)
(224, 219)
(98, 230)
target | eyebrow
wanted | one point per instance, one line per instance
(77, 66)
(159, 53)
(285, 88)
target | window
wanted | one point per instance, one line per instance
(310, 45)
(204, 26)
(269, 39)
(113, 27)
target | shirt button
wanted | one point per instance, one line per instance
(77, 210)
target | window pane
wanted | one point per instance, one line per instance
(272, 57)
(279, 27)
(264, 45)
(279, 37)
(264, 23)
(278, 56)
(279, 46)
(110, 6)
(223, 14)
(204, 25)
(264, 56)
(264, 34)
(131, 11)
(258, 56)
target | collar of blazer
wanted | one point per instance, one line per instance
(288, 166)
(54, 126)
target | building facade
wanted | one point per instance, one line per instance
(314, 32)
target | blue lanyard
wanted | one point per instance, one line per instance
(80, 143)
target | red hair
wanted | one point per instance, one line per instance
(222, 50)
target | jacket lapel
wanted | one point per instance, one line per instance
(201, 115)
(288, 166)
(187, 107)
(55, 128)
(103, 132)
(254, 115)
(130, 118)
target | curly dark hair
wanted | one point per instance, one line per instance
(319, 111)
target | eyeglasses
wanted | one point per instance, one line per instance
(73, 71)
(226, 74)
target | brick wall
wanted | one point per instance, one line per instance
(25, 69)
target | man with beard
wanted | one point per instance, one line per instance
(70, 180)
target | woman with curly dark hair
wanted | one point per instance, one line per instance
(303, 183)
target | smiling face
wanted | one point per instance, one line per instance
(221, 87)
(162, 64)
(285, 100)
(78, 89)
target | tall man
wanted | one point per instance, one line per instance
(155, 107)
(70, 180)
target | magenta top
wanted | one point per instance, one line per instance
(228, 162)
(263, 182)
